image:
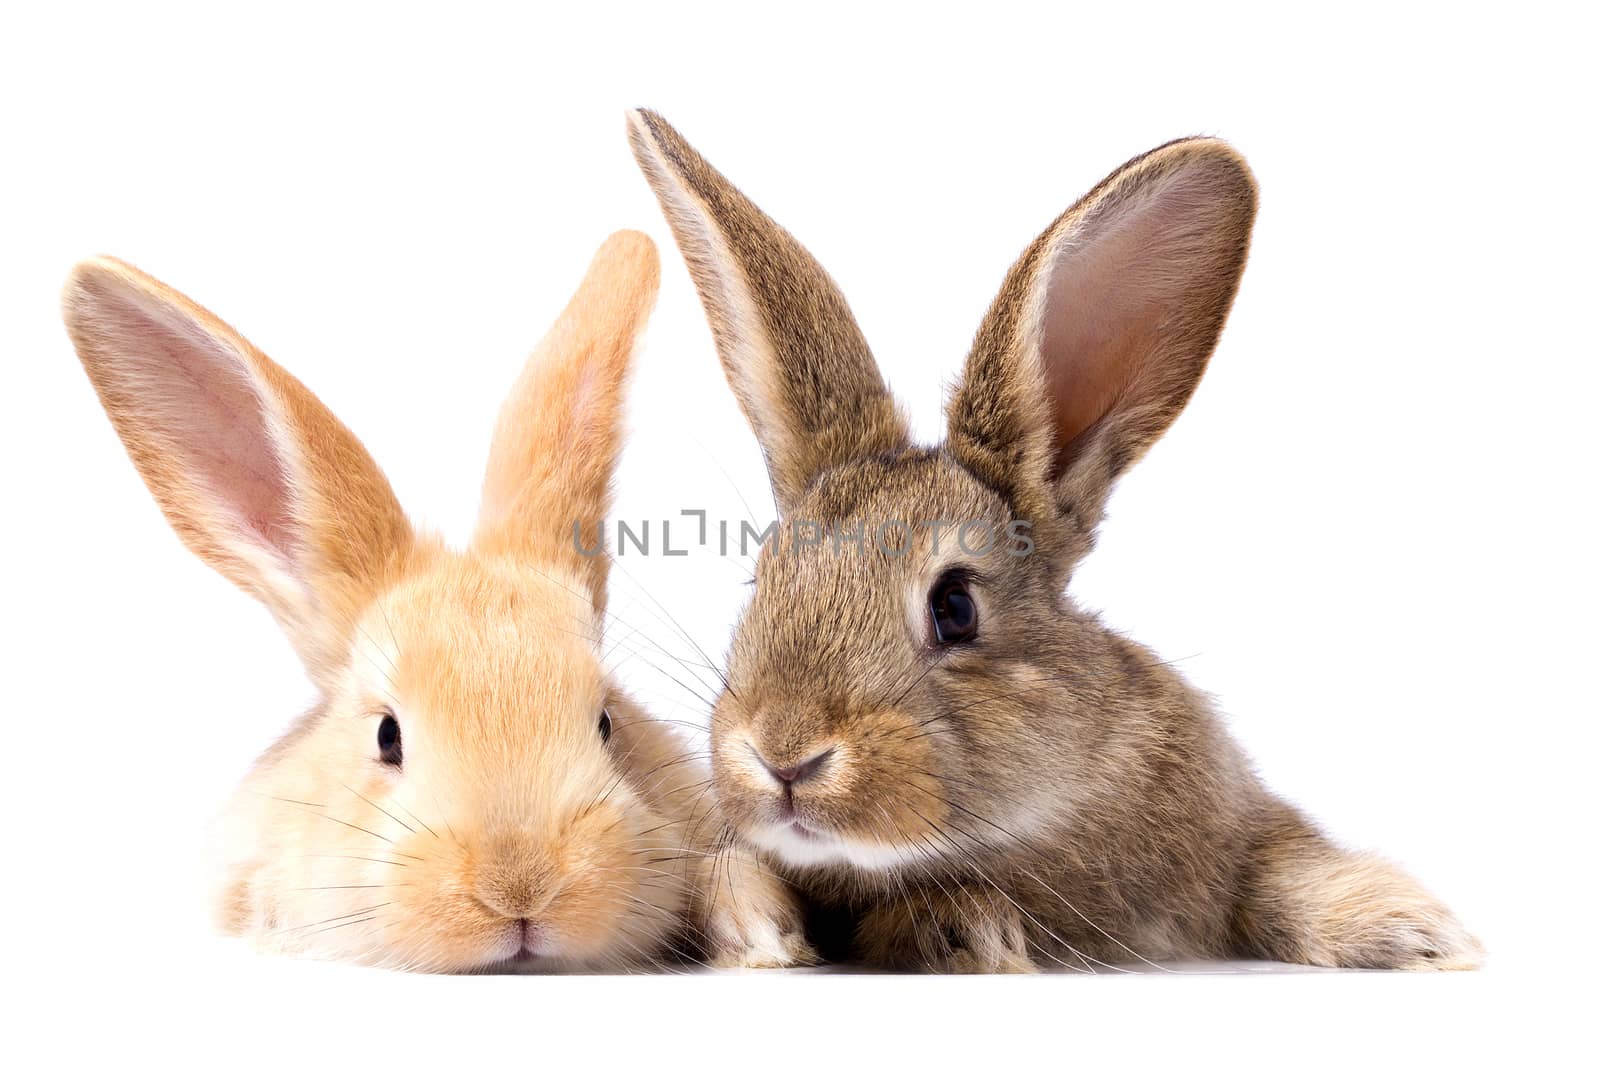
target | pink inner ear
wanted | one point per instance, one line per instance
(195, 396)
(1130, 280)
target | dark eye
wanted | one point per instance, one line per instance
(605, 726)
(955, 613)
(389, 740)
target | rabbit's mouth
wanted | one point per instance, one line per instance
(524, 947)
(522, 942)
(799, 844)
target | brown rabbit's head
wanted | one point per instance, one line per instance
(458, 799)
(908, 678)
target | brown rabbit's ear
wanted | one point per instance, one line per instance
(255, 475)
(789, 345)
(1102, 331)
(560, 431)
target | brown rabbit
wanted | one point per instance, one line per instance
(919, 729)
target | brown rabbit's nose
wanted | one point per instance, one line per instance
(793, 775)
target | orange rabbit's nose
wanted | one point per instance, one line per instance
(514, 880)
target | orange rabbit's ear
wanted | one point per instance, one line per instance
(560, 431)
(255, 475)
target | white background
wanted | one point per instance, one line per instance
(1371, 535)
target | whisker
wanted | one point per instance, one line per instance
(336, 918)
(318, 888)
(409, 828)
(341, 926)
(420, 823)
(362, 859)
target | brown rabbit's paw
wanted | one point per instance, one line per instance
(1358, 911)
(968, 932)
(753, 918)
(1396, 936)
(769, 949)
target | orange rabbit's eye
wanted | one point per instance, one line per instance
(389, 740)
(605, 726)
(955, 613)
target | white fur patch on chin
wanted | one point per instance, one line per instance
(822, 851)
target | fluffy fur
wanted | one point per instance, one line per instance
(512, 833)
(1049, 792)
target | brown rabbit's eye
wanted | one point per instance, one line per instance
(389, 741)
(955, 613)
(605, 725)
